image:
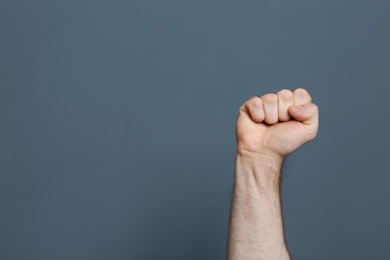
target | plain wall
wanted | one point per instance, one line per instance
(117, 125)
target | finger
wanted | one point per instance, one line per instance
(285, 100)
(270, 105)
(307, 115)
(301, 97)
(254, 108)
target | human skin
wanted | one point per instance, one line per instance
(268, 129)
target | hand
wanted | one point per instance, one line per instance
(276, 124)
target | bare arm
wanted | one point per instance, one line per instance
(268, 129)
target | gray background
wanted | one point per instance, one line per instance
(117, 125)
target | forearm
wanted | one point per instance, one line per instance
(256, 227)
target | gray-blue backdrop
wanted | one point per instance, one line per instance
(117, 136)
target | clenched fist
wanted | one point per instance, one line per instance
(276, 124)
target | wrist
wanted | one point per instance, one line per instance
(261, 157)
(260, 172)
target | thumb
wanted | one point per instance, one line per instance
(306, 114)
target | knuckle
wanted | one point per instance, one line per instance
(302, 93)
(285, 94)
(270, 98)
(255, 101)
